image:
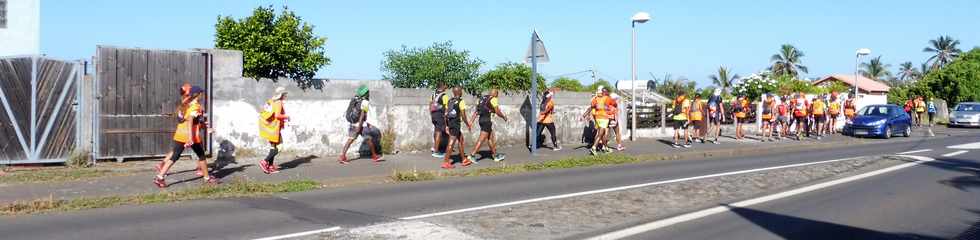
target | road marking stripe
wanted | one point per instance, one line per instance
(975, 145)
(720, 209)
(597, 191)
(955, 153)
(300, 234)
(914, 151)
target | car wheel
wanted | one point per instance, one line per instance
(888, 132)
(908, 132)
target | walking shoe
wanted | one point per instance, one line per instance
(557, 148)
(466, 162)
(499, 157)
(343, 160)
(273, 168)
(446, 165)
(378, 158)
(438, 155)
(212, 181)
(265, 167)
(160, 182)
(621, 148)
(675, 145)
(716, 142)
(593, 152)
(687, 145)
(198, 172)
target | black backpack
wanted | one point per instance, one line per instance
(452, 109)
(484, 106)
(354, 111)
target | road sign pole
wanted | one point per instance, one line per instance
(534, 89)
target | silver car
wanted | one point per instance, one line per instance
(965, 114)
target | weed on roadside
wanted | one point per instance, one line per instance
(53, 175)
(235, 188)
(572, 162)
(412, 176)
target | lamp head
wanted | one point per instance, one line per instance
(641, 17)
(863, 51)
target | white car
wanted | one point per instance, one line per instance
(965, 114)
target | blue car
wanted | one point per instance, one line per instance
(882, 121)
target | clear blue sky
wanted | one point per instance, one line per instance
(685, 38)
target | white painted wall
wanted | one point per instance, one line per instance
(22, 36)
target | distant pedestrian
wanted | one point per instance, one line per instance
(437, 110)
(455, 117)
(697, 117)
(716, 114)
(741, 109)
(932, 109)
(834, 110)
(850, 110)
(184, 91)
(546, 119)
(801, 108)
(357, 117)
(681, 119)
(599, 111)
(818, 111)
(485, 109)
(768, 120)
(271, 122)
(188, 135)
(614, 121)
(920, 110)
(783, 117)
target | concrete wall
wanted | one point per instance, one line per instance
(22, 36)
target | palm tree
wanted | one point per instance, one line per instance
(788, 61)
(725, 79)
(875, 69)
(925, 69)
(907, 72)
(945, 51)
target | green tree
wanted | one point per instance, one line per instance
(907, 72)
(788, 61)
(787, 85)
(598, 83)
(428, 67)
(568, 84)
(724, 79)
(509, 77)
(274, 46)
(875, 69)
(671, 87)
(959, 81)
(944, 50)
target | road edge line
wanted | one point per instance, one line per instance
(955, 153)
(300, 234)
(914, 151)
(646, 227)
(620, 188)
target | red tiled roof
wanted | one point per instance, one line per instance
(866, 84)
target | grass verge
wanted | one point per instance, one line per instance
(235, 188)
(571, 162)
(53, 175)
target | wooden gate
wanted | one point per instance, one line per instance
(38, 119)
(138, 94)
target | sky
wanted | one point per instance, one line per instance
(685, 38)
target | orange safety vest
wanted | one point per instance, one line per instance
(696, 109)
(745, 105)
(187, 130)
(270, 127)
(834, 108)
(818, 107)
(849, 110)
(767, 109)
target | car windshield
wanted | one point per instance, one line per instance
(874, 111)
(968, 108)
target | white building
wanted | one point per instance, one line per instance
(20, 27)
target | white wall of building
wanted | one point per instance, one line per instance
(22, 36)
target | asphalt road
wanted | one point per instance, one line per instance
(934, 200)
(262, 217)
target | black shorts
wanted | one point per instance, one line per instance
(800, 119)
(486, 126)
(438, 122)
(714, 118)
(179, 149)
(819, 119)
(454, 129)
(680, 124)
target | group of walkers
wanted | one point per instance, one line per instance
(920, 110)
(781, 117)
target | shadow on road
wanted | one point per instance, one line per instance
(790, 227)
(297, 162)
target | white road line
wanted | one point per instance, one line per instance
(955, 153)
(914, 151)
(597, 191)
(300, 234)
(720, 209)
(967, 146)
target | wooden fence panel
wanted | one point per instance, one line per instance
(141, 96)
(37, 118)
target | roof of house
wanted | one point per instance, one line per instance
(864, 83)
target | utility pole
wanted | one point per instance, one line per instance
(592, 69)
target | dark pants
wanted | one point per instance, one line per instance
(179, 149)
(551, 130)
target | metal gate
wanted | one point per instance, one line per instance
(38, 123)
(137, 94)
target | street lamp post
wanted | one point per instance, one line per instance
(857, 63)
(640, 17)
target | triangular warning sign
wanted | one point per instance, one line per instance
(542, 53)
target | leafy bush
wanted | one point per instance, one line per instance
(755, 85)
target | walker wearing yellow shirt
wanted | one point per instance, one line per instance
(488, 106)
(271, 122)
(188, 135)
(682, 109)
(455, 116)
(599, 110)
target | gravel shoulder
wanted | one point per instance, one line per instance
(583, 216)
